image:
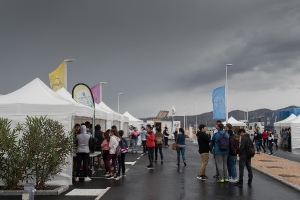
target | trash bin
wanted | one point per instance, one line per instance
(29, 189)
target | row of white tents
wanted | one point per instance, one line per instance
(292, 122)
(37, 99)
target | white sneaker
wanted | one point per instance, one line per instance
(76, 179)
(87, 179)
(233, 180)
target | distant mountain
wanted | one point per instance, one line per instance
(207, 118)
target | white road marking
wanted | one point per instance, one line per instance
(88, 192)
(130, 163)
(98, 197)
(138, 158)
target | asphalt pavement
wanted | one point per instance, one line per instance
(168, 181)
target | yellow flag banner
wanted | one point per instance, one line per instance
(57, 77)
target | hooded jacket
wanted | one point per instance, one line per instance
(84, 141)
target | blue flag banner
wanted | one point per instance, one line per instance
(218, 100)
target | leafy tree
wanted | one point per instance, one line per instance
(46, 141)
(14, 161)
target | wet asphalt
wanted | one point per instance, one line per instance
(168, 181)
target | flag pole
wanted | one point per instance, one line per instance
(66, 71)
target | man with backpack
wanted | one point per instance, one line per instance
(247, 151)
(233, 151)
(220, 147)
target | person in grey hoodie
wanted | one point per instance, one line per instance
(83, 152)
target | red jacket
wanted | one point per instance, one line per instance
(265, 135)
(150, 139)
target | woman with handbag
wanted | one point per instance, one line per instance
(180, 141)
(113, 143)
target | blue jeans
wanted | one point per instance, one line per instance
(182, 150)
(257, 146)
(231, 165)
(134, 144)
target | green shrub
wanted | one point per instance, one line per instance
(47, 143)
(14, 161)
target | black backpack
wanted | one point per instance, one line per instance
(250, 148)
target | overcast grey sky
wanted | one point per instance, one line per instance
(159, 53)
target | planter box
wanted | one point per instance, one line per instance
(56, 191)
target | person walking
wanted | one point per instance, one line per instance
(159, 142)
(180, 141)
(271, 141)
(105, 149)
(203, 143)
(121, 157)
(134, 139)
(265, 137)
(166, 135)
(275, 139)
(83, 152)
(143, 137)
(260, 140)
(245, 159)
(233, 151)
(175, 134)
(150, 143)
(220, 148)
(113, 143)
(256, 141)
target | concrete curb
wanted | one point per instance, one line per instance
(57, 191)
(277, 178)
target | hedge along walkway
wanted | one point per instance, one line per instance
(285, 171)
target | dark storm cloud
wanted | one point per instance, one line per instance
(163, 48)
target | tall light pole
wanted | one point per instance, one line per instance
(101, 83)
(184, 118)
(226, 94)
(66, 72)
(196, 113)
(119, 101)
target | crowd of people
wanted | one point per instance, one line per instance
(223, 144)
(111, 144)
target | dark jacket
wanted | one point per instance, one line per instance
(244, 142)
(232, 150)
(203, 142)
(181, 139)
(98, 135)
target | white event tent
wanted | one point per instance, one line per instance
(234, 122)
(286, 122)
(84, 113)
(295, 132)
(134, 121)
(37, 99)
(116, 117)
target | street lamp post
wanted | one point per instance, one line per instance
(101, 83)
(119, 101)
(66, 76)
(184, 118)
(196, 113)
(226, 94)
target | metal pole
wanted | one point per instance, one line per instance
(196, 113)
(66, 77)
(226, 97)
(100, 92)
(118, 103)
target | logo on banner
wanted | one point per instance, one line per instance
(83, 95)
(218, 101)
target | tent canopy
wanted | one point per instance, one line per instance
(80, 109)
(132, 119)
(116, 116)
(35, 98)
(286, 122)
(234, 122)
